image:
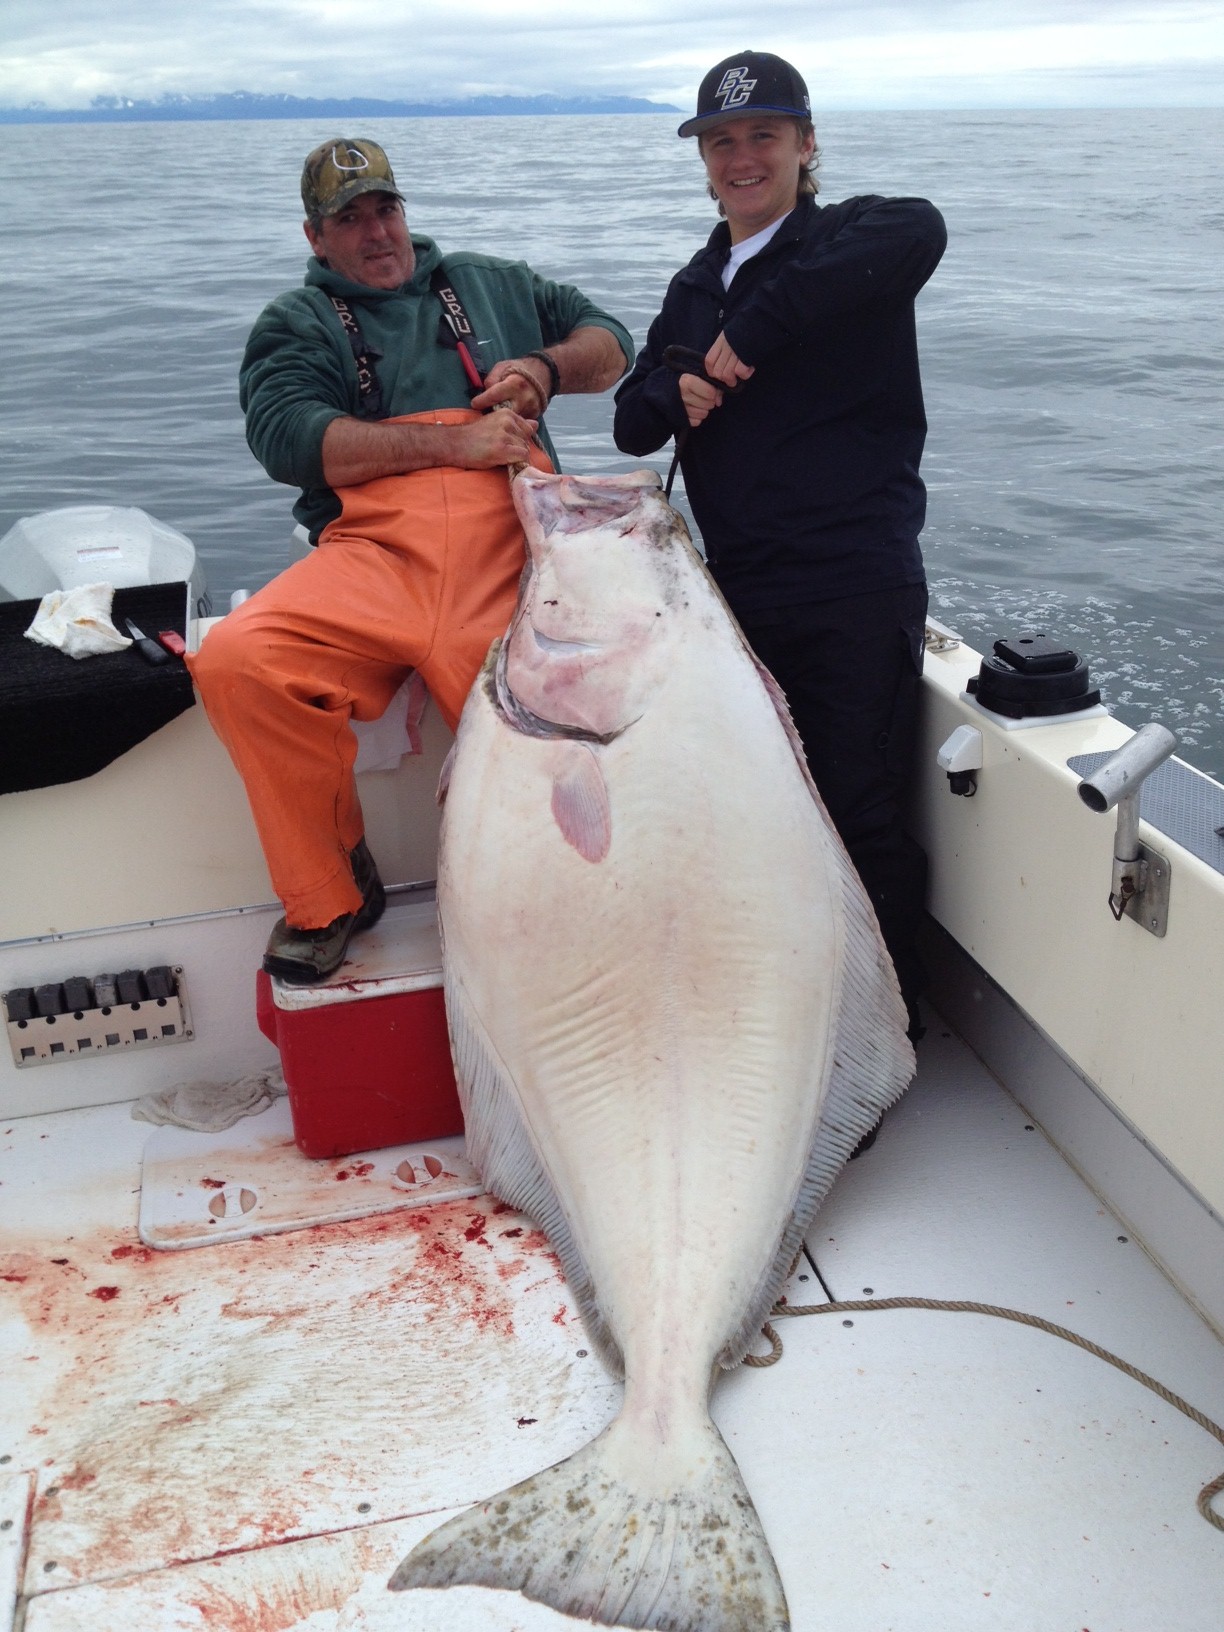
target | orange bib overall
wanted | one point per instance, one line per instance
(420, 571)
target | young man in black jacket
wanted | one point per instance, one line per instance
(800, 439)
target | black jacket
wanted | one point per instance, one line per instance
(806, 486)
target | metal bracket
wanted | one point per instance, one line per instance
(1141, 890)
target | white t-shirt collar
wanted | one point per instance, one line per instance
(747, 248)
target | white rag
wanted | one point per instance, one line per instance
(208, 1107)
(77, 621)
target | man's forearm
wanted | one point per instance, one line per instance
(358, 450)
(589, 359)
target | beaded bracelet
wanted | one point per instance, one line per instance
(554, 373)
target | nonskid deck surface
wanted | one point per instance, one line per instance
(253, 1434)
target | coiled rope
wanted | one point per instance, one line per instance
(857, 1306)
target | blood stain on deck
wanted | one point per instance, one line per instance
(159, 1421)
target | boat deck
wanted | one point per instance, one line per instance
(250, 1435)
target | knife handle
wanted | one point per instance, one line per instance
(151, 651)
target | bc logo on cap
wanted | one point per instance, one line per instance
(735, 88)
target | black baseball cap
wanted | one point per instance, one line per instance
(749, 83)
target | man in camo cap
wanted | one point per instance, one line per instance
(340, 171)
(369, 390)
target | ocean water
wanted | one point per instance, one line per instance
(1072, 340)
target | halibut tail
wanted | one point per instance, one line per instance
(687, 1554)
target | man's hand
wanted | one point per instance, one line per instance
(699, 397)
(722, 363)
(588, 359)
(521, 383)
(501, 438)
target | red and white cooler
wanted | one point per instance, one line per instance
(366, 1056)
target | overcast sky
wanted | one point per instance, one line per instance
(854, 53)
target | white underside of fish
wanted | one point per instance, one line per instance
(672, 1019)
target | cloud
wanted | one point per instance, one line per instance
(853, 52)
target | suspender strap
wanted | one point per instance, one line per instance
(457, 322)
(460, 326)
(368, 384)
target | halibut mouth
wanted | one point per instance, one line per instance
(574, 504)
(518, 716)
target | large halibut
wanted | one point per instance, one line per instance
(672, 1017)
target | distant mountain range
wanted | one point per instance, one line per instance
(253, 105)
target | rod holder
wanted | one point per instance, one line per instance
(1139, 886)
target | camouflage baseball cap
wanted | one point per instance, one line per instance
(341, 169)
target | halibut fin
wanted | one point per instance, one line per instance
(870, 1058)
(580, 804)
(500, 1145)
(582, 1539)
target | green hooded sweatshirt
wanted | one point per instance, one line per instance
(299, 373)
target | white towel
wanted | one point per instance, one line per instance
(208, 1107)
(77, 621)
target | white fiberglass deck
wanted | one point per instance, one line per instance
(250, 1435)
